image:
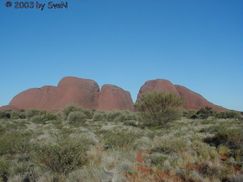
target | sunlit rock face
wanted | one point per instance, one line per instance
(84, 93)
(70, 91)
(114, 98)
(158, 85)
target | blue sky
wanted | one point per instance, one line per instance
(195, 43)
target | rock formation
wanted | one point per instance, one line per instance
(191, 100)
(114, 98)
(158, 85)
(79, 92)
(8, 107)
(86, 93)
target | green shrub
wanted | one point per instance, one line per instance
(44, 117)
(228, 114)
(169, 146)
(208, 171)
(230, 138)
(223, 150)
(89, 113)
(189, 114)
(77, 117)
(18, 115)
(15, 142)
(204, 151)
(158, 108)
(30, 113)
(63, 157)
(134, 123)
(4, 170)
(70, 109)
(112, 116)
(99, 116)
(158, 159)
(5, 115)
(119, 140)
(120, 116)
(203, 113)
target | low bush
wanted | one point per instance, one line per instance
(158, 108)
(169, 146)
(158, 160)
(4, 170)
(5, 115)
(16, 142)
(190, 114)
(207, 170)
(76, 117)
(116, 115)
(89, 113)
(18, 115)
(120, 116)
(99, 116)
(119, 140)
(228, 114)
(223, 151)
(44, 117)
(232, 138)
(68, 110)
(62, 157)
(228, 141)
(203, 113)
(30, 113)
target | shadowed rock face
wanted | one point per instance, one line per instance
(193, 100)
(158, 85)
(114, 98)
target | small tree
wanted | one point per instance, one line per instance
(159, 108)
(203, 113)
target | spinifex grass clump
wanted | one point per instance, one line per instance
(158, 108)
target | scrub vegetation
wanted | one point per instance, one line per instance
(143, 146)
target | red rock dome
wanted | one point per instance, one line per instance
(158, 85)
(193, 100)
(78, 91)
(114, 98)
(70, 91)
(85, 93)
